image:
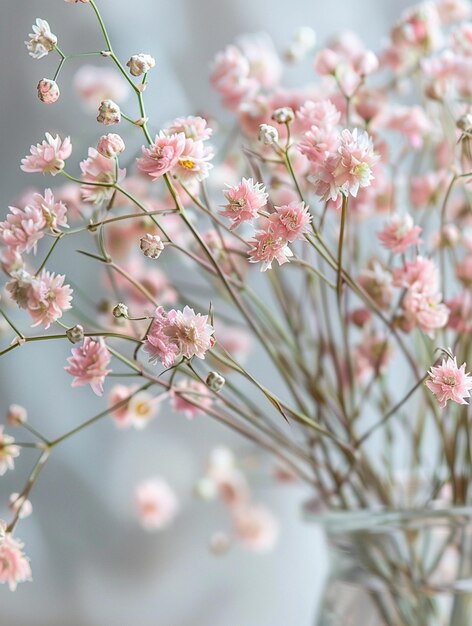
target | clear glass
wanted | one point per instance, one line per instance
(408, 568)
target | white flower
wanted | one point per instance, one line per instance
(140, 64)
(42, 40)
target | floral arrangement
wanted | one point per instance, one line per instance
(351, 195)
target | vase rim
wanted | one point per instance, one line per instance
(381, 519)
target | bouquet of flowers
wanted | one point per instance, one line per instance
(328, 226)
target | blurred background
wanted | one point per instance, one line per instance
(92, 563)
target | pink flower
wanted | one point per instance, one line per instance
(256, 527)
(49, 156)
(193, 163)
(48, 298)
(111, 145)
(428, 188)
(267, 247)
(400, 233)
(98, 169)
(318, 143)
(421, 273)
(412, 122)
(156, 504)
(138, 411)
(48, 91)
(8, 452)
(189, 391)
(22, 229)
(88, 364)
(54, 211)
(377, 281)
(244, 201)
(162, 155)
(449, 382)
(45, 296)
(357, 158)
(425, 309)
(291, 221)
(372, 355)
(193, 127)
(16, 415)
(460, 318)
(322, 114)
(14, 565)
(230, 77)
(178, 333)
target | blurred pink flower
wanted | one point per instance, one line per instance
(98, 169)
(256, 527)
(188, 391)
(400, 233)
(193, 127)
(156, 504)
(88, 364)
(49, 156)
(449, 382)
(95, 84)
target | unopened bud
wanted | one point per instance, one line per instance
(111, 145)
(109, 113)
(151, 246)
(268, 134)
(140, 64)
(220, 543)
(215, 381)
(48, 91)
(16, 415)
(75, 334)
(120, 310)
(284, 115)
(465, 123)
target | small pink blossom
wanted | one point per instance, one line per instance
(230, 76)
(412, 122)
(194, 162)
(372, 355)
(48, 91)
(421, 273)
(98, 169)
(377, 280)
(318, 143)
(111, 145)
(291, 221)
(22, 229)
(49, 156)
(14, 565)
(8, 452)
(400, 233)
(88, 364)
(54, 211)
(322, 114)
(178, 333)
(193, 127)
(449, 382)
(41, 40)
(268, 246)
(357, 158)
(256, 527)
(156, 504)
(460, 307)
(425, 309)
(189, 391)
(162, 155)
(244, 201)
(48, 298)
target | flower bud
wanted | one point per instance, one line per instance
(284, 115)
(109, 113)
(367, 64)
(16, 415)
(110, 145)
(120, 310)
(48, 91)
(75, 334)
(215, 381)
(140, 64)
(465, 123)
(151, 246)
(20, 505)
(268, 134)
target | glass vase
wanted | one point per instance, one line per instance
(406, 568)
